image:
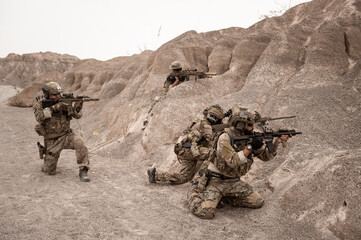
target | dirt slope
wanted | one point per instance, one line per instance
(119, 202)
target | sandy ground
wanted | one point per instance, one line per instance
(119, 202)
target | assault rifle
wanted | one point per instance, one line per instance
(267, 136)
(69, 99)
(262, 121)
(197, 74)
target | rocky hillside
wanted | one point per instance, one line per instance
(305, 63)
(31, 71)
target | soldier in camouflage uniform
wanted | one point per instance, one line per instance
(193, 148)
(176, 76)
(228, 162)
(54, 126)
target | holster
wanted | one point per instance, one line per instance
(41, 150)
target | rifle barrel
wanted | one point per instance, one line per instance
(282, 117)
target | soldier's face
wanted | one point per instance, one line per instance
(54, 96)
(249, 128)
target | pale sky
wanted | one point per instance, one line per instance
(104, 29)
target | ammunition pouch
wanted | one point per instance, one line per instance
(203, 180)
(219, 162)
(194, 150)
(39, 129)
(183, 152)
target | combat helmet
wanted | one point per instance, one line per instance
(51, 88)
(175, 65)
(242, 118)
(214, 114)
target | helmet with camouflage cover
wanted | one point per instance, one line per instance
(51, 88)
(242, 118)
(214, 114)
(175, 65)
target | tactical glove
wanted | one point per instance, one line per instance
(59, 106)
(257, 116)
(256, 143)
(228, 113)
(202, 180)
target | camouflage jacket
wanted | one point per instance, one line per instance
(197, 139)
(52, 125)
(230, 161)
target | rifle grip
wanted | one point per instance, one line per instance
(270, 147)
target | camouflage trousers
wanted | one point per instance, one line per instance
(55, 146)
(231, 191)
(185, 175)
(189, 165)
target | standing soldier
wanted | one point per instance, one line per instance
(193, 148)
(176, 76)
(229, 162)
(54, 126)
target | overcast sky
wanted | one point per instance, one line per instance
(103, 29)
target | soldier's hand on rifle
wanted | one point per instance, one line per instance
(78, 106)
(257, 116)
(228, 113)
(283, 138)
(176, 82)
(256, 143)
(59, 106)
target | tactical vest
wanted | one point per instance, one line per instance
(198, 132)
(57, 126)
(218, 158)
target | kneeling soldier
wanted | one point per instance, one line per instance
(192, 149)
(230, 161)
(54, 126)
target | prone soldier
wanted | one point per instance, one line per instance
(179, 75)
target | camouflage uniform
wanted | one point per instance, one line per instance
(54, 126)
(193, 148)
(176, 73)
(198, 139)
(228, 164)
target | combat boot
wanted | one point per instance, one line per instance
(151, 174)
(83, 174)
